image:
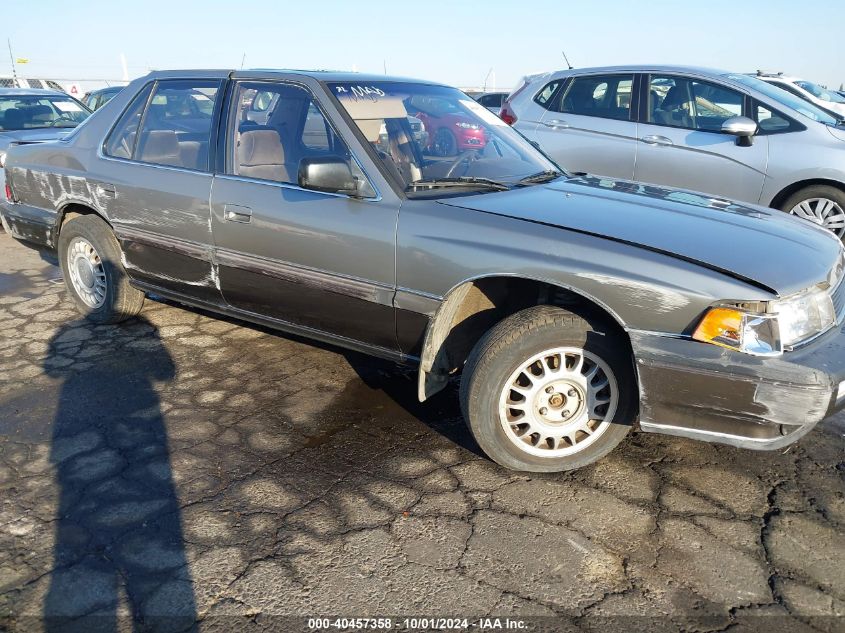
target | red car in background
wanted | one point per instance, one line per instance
(450, 130)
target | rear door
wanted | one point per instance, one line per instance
(588, 125)
(158, 179)
(681, 143)
(323, 262)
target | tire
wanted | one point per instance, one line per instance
(96, 281)
(445, 143)
(822, 204)
(554, 334)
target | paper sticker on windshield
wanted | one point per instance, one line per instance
(482, 113)
(67, 106)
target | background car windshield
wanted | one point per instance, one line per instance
(424, 133)
(821, 93)
(25, 112)
(782, 96)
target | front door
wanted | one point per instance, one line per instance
(681, 143)
(320, 261)
(157, 181)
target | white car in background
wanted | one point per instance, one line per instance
(828, 99)
(726, 134)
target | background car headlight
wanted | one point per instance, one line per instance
(2, 159)
(468, 126)
(804, 315)
(736, 329)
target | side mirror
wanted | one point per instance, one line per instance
(327, 173)
(742, 128)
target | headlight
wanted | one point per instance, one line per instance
(804, 315)
(778, 325)
(468, 126)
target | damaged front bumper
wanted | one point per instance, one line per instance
(705, 392)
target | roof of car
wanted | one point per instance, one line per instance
(649, 68)
(320, 75)
(23, 92)
(106, 89)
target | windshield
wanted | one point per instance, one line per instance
(820, 93)
(787, 98)
(432, 136)
(28, 112)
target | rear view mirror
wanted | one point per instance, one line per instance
(742, 127)
(329, 174)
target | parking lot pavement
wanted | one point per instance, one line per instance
(181, 467)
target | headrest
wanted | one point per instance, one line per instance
(260, 147)
(160, 146)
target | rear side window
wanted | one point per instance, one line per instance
(603, 96)
(176, 127)
(121, 141)
(544, 97)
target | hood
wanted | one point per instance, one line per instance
(765, 247)
(38, 135)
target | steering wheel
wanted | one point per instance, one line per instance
(61, 117)
(469, 156)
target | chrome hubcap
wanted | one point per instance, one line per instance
(823, 211)
(86, 272)
(558, 402)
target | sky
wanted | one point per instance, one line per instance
(460, 43)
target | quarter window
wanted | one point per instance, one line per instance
(544, 97)
(121, 141)
(691, 104)
(603, 96)
(771, 122)
(176, 128)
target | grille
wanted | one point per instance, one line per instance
(839, 299)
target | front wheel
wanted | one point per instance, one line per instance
(546, 390)
(89, 256)
(822, 204)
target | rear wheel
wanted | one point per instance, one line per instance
(90, 259)
(546, 390)
(821, 204)
(445, 143)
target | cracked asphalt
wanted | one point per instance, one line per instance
(184, 472)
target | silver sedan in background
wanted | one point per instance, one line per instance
(722, 133)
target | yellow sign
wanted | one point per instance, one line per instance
(21, 60)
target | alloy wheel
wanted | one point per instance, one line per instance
(558, 402)
(823, 211)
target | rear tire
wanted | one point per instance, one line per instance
(546, 390)
(821, 204)
(96, 281)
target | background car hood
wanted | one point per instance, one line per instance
(766, 247)
(32, 136)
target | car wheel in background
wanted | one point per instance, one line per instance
(547, 390)
(89, 256)
(445, 143)
(822, 204)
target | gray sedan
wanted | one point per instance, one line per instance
(571, 307)
(726, 134)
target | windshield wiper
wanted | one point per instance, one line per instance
(542, 176)
(463, 181)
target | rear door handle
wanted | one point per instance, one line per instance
(237, 213)
(654, 139)
(556, 124)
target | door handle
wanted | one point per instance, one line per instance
(556, 124)
(237, 213)
(653, 139)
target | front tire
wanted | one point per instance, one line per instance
(96, 281)
(546, 390)
(821, 204)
